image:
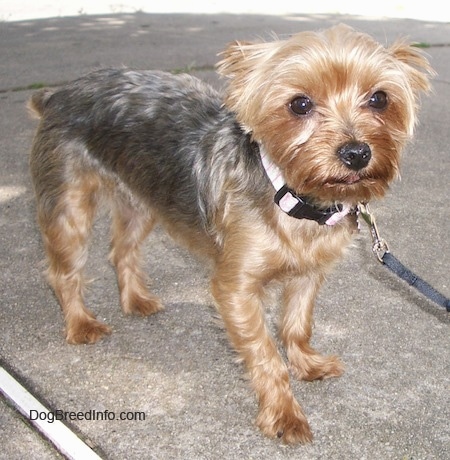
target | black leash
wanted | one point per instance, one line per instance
(381, 250)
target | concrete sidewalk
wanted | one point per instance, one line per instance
(177, 368)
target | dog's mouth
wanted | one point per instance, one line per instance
(349, 179)
(350, 187)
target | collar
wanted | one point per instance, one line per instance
(295, 205)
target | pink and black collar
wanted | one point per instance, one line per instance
(298, 206)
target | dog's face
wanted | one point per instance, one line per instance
(332, 109)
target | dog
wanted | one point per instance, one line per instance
(264, 182)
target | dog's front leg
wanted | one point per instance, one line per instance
(238, 296)
(299, 297)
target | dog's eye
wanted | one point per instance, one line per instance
(301, 105)
(378, 100)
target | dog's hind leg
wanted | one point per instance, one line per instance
(130, 227)
(66, 211)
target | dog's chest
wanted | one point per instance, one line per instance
(305, 245)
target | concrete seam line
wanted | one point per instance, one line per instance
(64, 439)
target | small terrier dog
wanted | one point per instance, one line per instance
(264, 182)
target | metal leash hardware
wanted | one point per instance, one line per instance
(381, 250)
(379, 244)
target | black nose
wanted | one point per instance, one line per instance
(355, 155)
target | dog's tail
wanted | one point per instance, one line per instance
(38, 101)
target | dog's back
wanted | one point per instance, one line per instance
(153, 132)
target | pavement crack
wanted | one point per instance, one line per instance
(39, 85)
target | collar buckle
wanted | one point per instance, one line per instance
(297, 206)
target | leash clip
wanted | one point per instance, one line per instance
(381, 250)
(379, 244)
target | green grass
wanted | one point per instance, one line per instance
(421, 45)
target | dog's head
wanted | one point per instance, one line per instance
(333, 109)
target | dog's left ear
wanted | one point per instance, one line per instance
(417, 67)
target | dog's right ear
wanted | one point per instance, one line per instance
(232, 58)
(246, 65)
(240, 57)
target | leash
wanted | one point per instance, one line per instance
(381, 250)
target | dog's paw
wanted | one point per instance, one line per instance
(288, 423)
(313, 366)
(86, 330)
(142, 304)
